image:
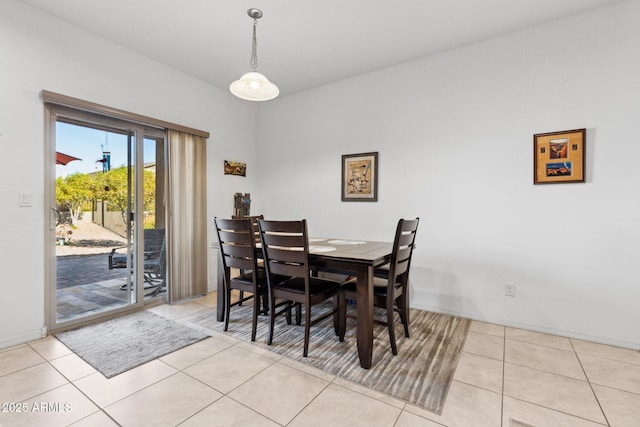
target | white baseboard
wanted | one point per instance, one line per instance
(22, 338)
(531, 326)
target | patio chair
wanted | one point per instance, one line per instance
(155, 260)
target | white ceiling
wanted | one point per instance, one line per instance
(302, 43)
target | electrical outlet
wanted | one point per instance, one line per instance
(510, 289)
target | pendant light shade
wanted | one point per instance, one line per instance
(254, 86)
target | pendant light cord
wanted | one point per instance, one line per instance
(253, 64)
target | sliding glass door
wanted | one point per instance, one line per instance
(106, 232)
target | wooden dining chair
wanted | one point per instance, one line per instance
(238, 251)
(390, 293)
(285, 246)
(254, 224)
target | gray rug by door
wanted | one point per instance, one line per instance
(117, 345)
(420, 374)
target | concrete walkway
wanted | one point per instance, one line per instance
(84, 282)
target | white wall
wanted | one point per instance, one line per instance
(41, 52)
(454, 134)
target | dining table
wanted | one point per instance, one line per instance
(357, 258)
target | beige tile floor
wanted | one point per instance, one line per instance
(506, 377)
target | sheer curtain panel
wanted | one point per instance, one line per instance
(187, 228)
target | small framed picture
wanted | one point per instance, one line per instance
(235, 168)
(559, 157)
(360, 177)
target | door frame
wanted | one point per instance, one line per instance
(100, 121)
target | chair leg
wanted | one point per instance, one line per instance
(392, 335)
(241, 298)
(287, 314)
(272, 317)
(404, 313)
(227, 305)
(307, 328)
(265, 303)
(342, 315)
(407, 298)
(298, 314)
(256, 311)
(336, 314)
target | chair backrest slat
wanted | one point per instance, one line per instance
(404, 253)
(403, 245)
(287, 255)
(237, 236)
(285, 247)
(254, 224)
(237, 243)
(293, 227)
(237, 251)
(241, 263)
(284, 269)
(286, 240)
(406, 239)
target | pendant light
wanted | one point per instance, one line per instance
(253, 86)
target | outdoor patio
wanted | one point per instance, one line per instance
(84, 283)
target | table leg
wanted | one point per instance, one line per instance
(220, 291)
(364, 306)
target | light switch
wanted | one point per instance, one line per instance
(25, 199)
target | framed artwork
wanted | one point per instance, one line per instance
(360, 177)
(235, 168)
(559, 157)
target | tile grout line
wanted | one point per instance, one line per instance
(558, 411)
(225, 394)
(230, 391)
(547, 371)
(503, 422)
(72, 383)
(595, 396)
(332, 382)
(560, 375)
(309, 403)
(543, 345)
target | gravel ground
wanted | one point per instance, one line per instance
(89, 238)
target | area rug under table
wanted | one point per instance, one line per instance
(117, 345)
(420, 374)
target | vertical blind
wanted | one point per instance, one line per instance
(187, 223)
